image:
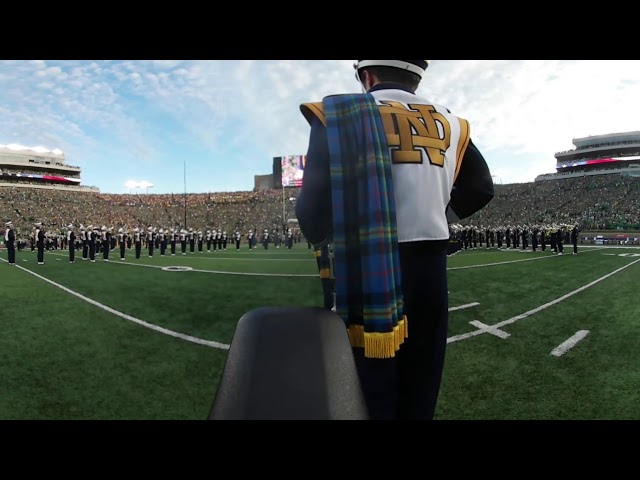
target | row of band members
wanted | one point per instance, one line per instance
(469, 236)
(93, 240)
(556, 235)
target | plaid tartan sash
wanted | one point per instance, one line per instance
(367, 264)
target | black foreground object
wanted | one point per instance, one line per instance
(289, 363)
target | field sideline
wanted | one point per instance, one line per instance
(531, 335)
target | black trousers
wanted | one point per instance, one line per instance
(328, 284)
(11, 253)
(40, 253)
(406, 387)
(72, 253)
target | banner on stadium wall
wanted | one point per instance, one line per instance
(35, 176)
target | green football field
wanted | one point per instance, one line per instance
(531, 335)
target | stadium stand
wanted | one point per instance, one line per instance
(603, 202)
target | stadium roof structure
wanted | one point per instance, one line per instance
(597, 145)
(612, 153)
(38, 167)
(14, 147)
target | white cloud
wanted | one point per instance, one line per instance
(540, 106)
(132, 184)
(132, 109)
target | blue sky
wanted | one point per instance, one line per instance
(140, 120)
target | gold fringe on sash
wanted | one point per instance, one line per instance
(379, 345)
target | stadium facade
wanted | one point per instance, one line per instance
(38, 167)
(613, 153)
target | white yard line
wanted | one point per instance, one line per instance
(222, 272)
(462, 307)
(512, 261)
(212, 255)
(569, 343)
(116, 260)
(482, 328)
(215, 257)
(188, 338)
(494, 328)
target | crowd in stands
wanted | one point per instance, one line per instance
(224, 210)
(594, 202)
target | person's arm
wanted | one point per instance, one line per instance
(473, 188)
(313, 205)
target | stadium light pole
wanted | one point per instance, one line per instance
(185, 194)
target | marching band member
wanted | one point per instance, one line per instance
(122, 241)
(71, 241)
(183, 241)
(151, 237)
(137, 239)
(208, 238)
(163, 242)
(574, 238)
(219, 238)
(173, 237)
(40, 238)
(106, 243)
(10, 242)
